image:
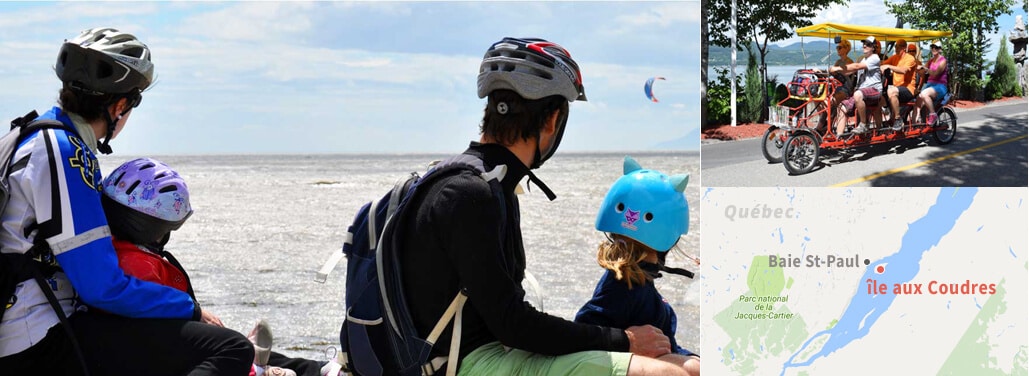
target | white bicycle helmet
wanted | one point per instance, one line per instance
(105, 61)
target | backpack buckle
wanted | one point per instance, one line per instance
(28, 118)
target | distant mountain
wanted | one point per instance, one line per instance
(691, 141)
(792, 54)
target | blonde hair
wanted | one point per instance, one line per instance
(622, 255)
(846, 46)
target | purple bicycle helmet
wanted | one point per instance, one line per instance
(144, 201)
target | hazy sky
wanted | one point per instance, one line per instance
(360, 77)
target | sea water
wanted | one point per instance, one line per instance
(263, 225)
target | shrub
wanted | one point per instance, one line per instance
(1004, 80)
(719, 94)
(753, 103)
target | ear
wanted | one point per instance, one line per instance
(551, 126)
(630, 165)
(118, 107)
(679, 181)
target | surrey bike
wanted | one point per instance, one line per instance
(802, 124)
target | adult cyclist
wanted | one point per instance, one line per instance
(459, 237)
(55, 215)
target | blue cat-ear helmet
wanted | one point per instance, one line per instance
(647, 206)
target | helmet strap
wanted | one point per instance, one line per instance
(539, 183)
(104, 147)
(559, 125)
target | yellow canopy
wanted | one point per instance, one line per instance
(856, 32)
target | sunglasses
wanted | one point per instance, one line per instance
(134, 100)
(840, 47)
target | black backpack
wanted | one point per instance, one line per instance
(378, 336)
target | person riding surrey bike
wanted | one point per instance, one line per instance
(55, 216)
(868, 90)
(902, 88)
(936, 85)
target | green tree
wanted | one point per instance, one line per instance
(719, 98)
(1004, 80)
(760, 21)
(753, 102)
(970, 20)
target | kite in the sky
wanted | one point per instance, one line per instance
(648, 88)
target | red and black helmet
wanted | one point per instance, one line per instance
(532, 67)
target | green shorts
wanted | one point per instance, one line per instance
(493, 359)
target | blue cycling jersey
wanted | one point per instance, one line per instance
(55, 196)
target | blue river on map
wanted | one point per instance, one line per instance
(864, 308)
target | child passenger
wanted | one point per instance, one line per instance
(144, 200)
(643, 215)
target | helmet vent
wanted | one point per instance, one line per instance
(132, 187)
(167, 188)
(134, 52)
(104, 70)
(540, 61)
(118, 179)
(542, 74)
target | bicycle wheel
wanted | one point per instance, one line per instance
(945, 118)
(801, 153)
(771, 144)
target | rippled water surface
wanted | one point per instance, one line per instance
(264, 224)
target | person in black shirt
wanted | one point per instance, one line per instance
(460, 237)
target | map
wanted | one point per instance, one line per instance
(910, 281)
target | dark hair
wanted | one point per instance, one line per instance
(522, 119)
(90, 106)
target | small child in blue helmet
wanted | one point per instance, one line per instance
(643, 216)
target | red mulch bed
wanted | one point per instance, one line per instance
(973, 104)
(726, 132)
(740, 131)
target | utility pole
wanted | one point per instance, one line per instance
(732, 66)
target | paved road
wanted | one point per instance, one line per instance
(990, 149)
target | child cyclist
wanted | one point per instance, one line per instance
(644, 214)
(144, 201)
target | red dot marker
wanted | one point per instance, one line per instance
(880, 269)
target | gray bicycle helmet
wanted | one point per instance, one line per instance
(534, 68)
(105, 61)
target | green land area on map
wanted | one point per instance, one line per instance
(758, 322)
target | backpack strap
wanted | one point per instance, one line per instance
(453, 311)
(37, 274)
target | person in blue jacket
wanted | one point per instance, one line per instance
(644, 214)
(55, 211)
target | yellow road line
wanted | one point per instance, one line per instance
(923, 163)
